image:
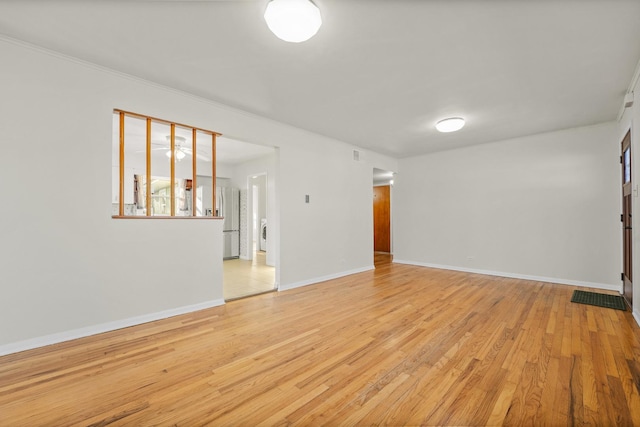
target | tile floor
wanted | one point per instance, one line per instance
(243, 277)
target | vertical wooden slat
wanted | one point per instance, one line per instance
(213, 172)
(121, 162)
(148, 184)
(173, 169)
(194, 183)
(148, 196)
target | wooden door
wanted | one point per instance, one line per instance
(627, 235)
(382, 218)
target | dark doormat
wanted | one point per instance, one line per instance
(600, 300)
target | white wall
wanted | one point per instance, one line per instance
(261, 182)
(630, 120)
(67, 268)
(545, 206)
(224, 170)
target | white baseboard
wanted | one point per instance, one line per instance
(324, 278)
(636, 316)
(104, 327)
(515, 275)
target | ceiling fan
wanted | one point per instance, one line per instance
(181, 149)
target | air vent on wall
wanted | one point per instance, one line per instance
(356, 155)
(628, 100)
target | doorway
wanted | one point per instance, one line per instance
(627, 235)
(253, 272)
(382, 218)
(382, 188)
(241, 165)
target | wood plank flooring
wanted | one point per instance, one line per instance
(401, 345)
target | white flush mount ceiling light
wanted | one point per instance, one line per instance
(293, 20)
(451, 124)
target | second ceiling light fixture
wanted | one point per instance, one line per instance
(293, 20)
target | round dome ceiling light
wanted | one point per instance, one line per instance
(451, 124)
(293, 21)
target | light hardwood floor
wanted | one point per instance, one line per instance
(247, 277)
(401, 345)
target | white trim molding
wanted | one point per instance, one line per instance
(515, 275)
(102, 328)
(324, 278)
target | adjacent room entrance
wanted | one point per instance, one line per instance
(253, 272)
(627, 235)
(382, 218)
(382, 184)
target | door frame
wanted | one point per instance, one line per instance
(383, 177)
(626, 218)
(250, 208)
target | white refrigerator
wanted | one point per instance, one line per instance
(228, 206)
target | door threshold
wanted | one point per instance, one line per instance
(250, 295)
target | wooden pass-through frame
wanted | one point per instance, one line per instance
(194, 130)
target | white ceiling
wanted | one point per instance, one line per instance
(379, 73)
(232, 151)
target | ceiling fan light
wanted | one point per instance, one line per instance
(293, 21)
(179, 154)
(451, 124)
